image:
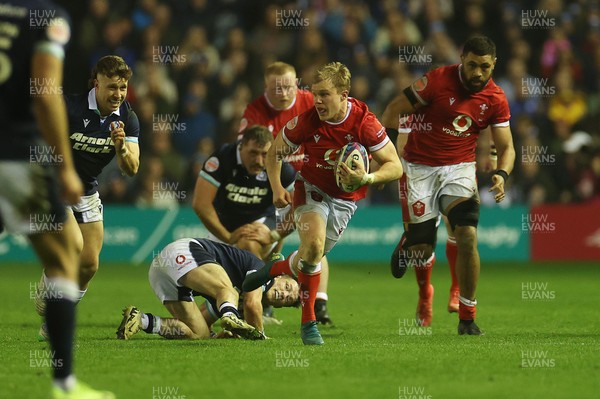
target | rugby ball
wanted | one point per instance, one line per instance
(351, 152)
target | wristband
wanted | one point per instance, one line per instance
(275, 236)
(502, 173)
(367, 178)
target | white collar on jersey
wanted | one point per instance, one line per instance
(277, 109)
(345, 117)
(93, 105)
(237, 153)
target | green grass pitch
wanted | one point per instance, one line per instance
(541, 321)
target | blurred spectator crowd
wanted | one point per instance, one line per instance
(198, 63)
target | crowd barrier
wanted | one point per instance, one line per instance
(135, 235)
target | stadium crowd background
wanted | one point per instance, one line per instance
(198, 63)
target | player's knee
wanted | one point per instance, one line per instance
(419, 251)
(183, 331)
(199, 333)
(251, 245)
(464, 214)
(89, 264)
(421, 237)
(313, 250)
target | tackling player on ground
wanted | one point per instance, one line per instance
(282, 101)
(321, 209)
(191, 267)
(457, 101)
(102, 125)
(33, 116)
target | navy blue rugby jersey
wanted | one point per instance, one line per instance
(236, 262)
(26, 27)
(90, 138)
(241, 198)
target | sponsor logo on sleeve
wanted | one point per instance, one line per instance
(59, 31)
(292, 123)
(212, 164)
(420, 84)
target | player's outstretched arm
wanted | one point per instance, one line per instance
(51, 115)
(279, 148)
(506, 160)
(398, 107)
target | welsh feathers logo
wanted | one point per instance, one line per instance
(418, 208)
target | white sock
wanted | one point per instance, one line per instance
(66, 384)
(467, 302)
(228, 312)
(322, 295)
(60, 287)
(156, 327)
(80, 295)
(291, 260)
(145, 321)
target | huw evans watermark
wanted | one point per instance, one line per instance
(536, 359)
(413, 392)
(537, 19)
(290, 358)
(290, 19)
(414, 55)
(537, 291)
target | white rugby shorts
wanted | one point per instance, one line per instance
(422, 186)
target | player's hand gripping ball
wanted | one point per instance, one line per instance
(349, 153)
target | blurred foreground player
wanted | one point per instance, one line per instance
(282, 101)
(31, 63)
(191, 267)
(321, 209)
(102, 125)
(457, 101)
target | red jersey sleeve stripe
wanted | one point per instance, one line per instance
(501, 124)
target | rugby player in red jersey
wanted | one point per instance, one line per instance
(455, 103)
(282, 101)
(321, 209)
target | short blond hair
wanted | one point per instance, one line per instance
(278, 68)
(337, 73)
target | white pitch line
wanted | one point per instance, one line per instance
(155, 237)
